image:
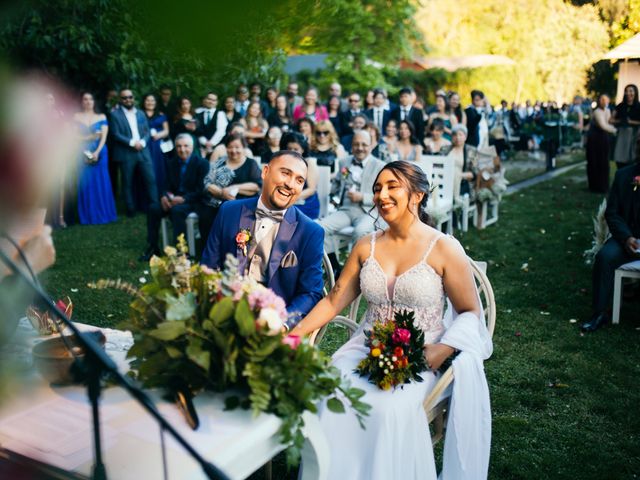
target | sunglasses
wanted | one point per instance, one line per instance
(322, 133)
(354, 100)
(128, 97)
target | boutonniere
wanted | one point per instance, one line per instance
(636, 182)
(345, 172)
(243, 237)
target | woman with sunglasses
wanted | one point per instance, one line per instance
(325, 145)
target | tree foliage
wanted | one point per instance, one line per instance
(552, 42)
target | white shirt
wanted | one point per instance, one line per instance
(264, 225)
(378, 115)
(221, 127)
(132, 119)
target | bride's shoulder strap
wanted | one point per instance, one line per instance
(432, 244)
(373, 243)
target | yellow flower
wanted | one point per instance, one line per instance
(375, 352)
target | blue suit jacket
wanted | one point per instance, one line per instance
(300, 285)
(120, 132)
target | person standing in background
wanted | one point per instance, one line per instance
(627, 119)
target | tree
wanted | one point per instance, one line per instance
(552, 42)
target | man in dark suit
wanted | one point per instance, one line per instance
(212, 124)
(476, 119)
(354, 108)
(406, 111)
(378, 115)
(284, 250)
(358, 124)
(130, 133)
(623, 219)
(181, 195)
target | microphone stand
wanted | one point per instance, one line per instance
(95, 364)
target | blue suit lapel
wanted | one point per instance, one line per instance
(247, 220)
(285, 232)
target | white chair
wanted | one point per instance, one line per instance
(440, 204)
(628, 270)
(324, 188)
(469, 211)
(425, 162)
(193, 232)
(487, 213)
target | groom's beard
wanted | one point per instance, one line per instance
(276, 201)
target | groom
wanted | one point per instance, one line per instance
(284, 249)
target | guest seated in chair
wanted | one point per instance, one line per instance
(623, 219)
(274, 243)
(181, 195)
(352, 195)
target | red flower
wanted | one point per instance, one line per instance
(292, 340)
(398, 352)
(243, 237)
(401, 335)
(636, 182)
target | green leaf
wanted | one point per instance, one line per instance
(173, 352)
(168, 330)
(231, 403)
(208, 325)
(244, 319)
(335, 405)
(199, 356)
(222, 311)
(181, 308)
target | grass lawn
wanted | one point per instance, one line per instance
(521, 165)
(565, 405)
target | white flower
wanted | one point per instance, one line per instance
(271, 319)
(386, 371)
(391, 367)
(394, 358)
(381, 357)
(170, 251)
(142, 280)
(380, 364)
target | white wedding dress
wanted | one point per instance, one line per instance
(396, 442)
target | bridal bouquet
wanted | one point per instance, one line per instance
(208, 330)
(396, 354)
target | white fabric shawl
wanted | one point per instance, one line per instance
(468, 439)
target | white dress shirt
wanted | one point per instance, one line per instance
(221, 126)
(264, 225)
(132, 119)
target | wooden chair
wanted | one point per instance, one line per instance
(324, 188)
(192, 234)
(437, 400)
(440, 203)
(628, 270)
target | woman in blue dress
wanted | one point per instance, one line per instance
(95, 197)
(159, 130)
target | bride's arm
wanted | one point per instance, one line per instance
(345, 291)
(460, 287)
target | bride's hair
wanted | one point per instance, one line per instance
(415, 180)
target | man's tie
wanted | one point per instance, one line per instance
(275, 215)
(207, 117)
(379, 119)
(405, 114)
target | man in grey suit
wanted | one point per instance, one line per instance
(353, 195)
(130, 132)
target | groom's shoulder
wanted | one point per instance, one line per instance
(232, 207)
(309, 227)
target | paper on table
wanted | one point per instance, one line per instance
(62, 427)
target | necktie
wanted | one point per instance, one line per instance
(275, 215)
(405, 113)
(379, 119)
(207, 117)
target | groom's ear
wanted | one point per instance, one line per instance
(265, 171)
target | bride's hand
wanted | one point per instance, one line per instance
(436, 354)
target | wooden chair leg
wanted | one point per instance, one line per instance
(617, 296)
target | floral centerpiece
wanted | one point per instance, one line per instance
(220, 331)
(396, 354)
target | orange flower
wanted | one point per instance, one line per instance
(398, 352)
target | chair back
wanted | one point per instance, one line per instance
(442, 179)
(425, 162)
(324, 188)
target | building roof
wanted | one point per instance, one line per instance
(628, 49)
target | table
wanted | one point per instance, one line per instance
(235, 441)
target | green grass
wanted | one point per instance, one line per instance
(520, 166)
(588, 429)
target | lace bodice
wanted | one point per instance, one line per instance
(418, 289)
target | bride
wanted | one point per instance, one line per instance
(410, 266)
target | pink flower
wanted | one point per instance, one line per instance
(267, 298)
(292, 340)
(401, 335)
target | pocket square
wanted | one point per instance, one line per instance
(289, 260)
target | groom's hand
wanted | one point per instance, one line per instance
(632, 245)
(436, 354)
